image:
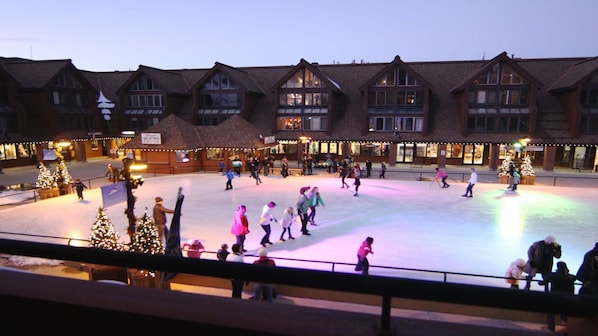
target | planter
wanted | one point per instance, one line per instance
(66, 189)
(503, 179)
(528, 180)
(150, 279)
(48, 193)
(107, 272)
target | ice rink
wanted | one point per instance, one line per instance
(415, 224)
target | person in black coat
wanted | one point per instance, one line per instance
(561, 282)
(540, 259)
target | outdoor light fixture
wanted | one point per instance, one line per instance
(64, 143)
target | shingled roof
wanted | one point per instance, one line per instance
(176, 134)
(235, 132)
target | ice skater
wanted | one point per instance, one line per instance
(442, 175)
(473, 179)
(79, 186)
(286, 222)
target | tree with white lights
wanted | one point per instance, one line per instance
(103, 235)
(146, 239)
(45, 179)
(526, 168)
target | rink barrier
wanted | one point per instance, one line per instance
(385, 288)
(332, 266)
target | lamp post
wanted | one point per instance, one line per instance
(132, 181)
(520, 146)
(305, 140)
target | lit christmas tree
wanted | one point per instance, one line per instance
(61, 175)
(145, 239)
(45, 180)
(103, 234)
(526, 168)
(504, 168)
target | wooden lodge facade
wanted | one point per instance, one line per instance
(474, 112)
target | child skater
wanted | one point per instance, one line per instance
(286, 222)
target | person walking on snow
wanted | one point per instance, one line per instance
(473, 179)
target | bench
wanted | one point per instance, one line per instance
(292, 171)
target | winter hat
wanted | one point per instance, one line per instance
(562, 266)
(304, 189)
(549, 240)
(520, 262)
(262, 252)
(159, 199)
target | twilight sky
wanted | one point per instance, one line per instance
(121, 35)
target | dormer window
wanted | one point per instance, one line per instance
(499, 102)
(219, 98)
(303, 103)
(396, 103)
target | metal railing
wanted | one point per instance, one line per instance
(331, 266)
(386, 288)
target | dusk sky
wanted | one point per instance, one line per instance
(121, 35)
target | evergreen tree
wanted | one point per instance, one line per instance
(504, 168)
(61, 174)
(45, 180)
(103, 235)
(526, 168)
(146, 239)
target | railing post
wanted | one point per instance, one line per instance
(385, 318)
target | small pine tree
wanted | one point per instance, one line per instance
(146, 239)
(103, 235)
(526, 168)
(504, 168)
(61, 175)
(45, 180)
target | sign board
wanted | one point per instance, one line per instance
(269, 139)
(151, 138)
(534, 148)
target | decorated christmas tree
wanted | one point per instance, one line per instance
(45, 180)
(103, 234)
(504, 168)
(146, 239)
(61, 174)
(526, 168)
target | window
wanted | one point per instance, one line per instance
(315, 123)
(215, 154)
(304, 96)
(289, 123)
(182, 156)
(144, 83)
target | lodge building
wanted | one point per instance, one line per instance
(475, 112)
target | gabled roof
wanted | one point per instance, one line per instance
(487, 66)
(38, 74)
(235, 132)
(397, 62)
(575, 75)
(177, 134)
(108, 82)
(239, 76)
(169, 81)
(330, 83)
